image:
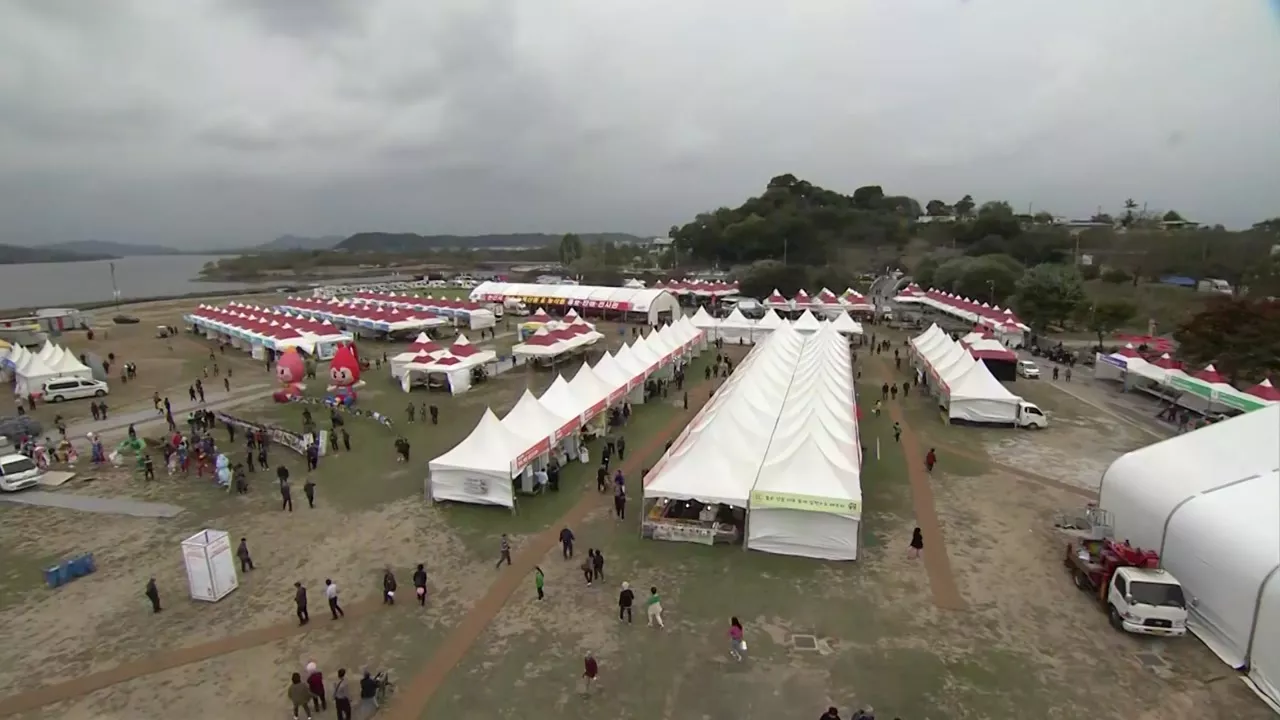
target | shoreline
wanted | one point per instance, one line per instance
(126, 303)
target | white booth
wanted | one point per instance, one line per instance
(211, 565)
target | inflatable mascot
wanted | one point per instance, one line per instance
(344, 373)
(223, 473)
(290, 370)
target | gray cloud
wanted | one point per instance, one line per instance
(229, 121)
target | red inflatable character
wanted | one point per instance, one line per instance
(344, 373)
(290, 370)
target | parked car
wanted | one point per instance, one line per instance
(18, 472)
(1028, 369)
(73, 389)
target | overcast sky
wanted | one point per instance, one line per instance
(225, 122)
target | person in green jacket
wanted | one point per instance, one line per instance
(538, 580)
(300, 696)
(653, 608)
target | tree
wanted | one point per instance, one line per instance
(1240, 336)
(1269, 227)
(964, 207)
(1129, 207)
(1103, 218)
(1043, 218)
(1115, 276)
(1106, 316)
(989, 245)
(990, 278)
(925, 271)
(763, 277)
(937, 208)
(1048, 294)
(868, 197)
(1172, 216)
(570, 249)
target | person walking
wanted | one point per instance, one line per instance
(590, 671)
(342, 696)
(653, 609)
(331, 593)
(539, 579)
(242, 552)
(309, 489)
(620, 502)
(300, 602)
(435, 414)
(504, 551)
(737, 645)
(917, 544)
(315, 683)
(622, 449)
(346, 439)
(388, 587)
(587, 563)
(420, 584)
(153, 594)
(897, 432)
(626, 598)
(597, 566)
(286, 495)
(300, 695)
(930, 459)
(566, 542)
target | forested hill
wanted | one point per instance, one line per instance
(410, 242)
(18, 255)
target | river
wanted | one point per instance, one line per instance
(61, 284)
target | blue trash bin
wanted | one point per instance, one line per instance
(55, 576)
(89, 565)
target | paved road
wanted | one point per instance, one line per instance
(118, 424)
(87, 503)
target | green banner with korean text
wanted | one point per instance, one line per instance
(810, 503)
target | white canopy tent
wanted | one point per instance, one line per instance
(771, 321)
(736, 328)
(479, 469)
(807, 498)
(1209, 502)
(846, 325)
(965, 387)
(780, 439)
(703, 320)
(806, 323)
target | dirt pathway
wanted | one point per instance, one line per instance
(937, 562)
(413, 696)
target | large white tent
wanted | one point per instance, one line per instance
(807, 498)
(31, 370)
(965, 387)
(779, 439)
(655, 304)
(1209, 502)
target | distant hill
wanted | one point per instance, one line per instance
(410, 242)
(106, 248)
(289, 243)
(18, 255)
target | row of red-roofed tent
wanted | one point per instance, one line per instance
(359, 313)
(1002, 321)
(500, 456)
(1208, 384)
(254, 328)
(475, 315)
(824, 299)
(701, 288)
(453, 362)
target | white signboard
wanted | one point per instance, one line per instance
(679, 532)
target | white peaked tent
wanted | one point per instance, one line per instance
(771, 321)
(807, 498)
(532, 422)
(479, 469)
(612, 374)
(591, 391)
(779, 439)
(31, 374)
(694, 332)
(717, 456)
(562, 401)
(736, 328)
(703, 320)
(965, 387)
(807, 323)
(1209, 502)
(68, 365)
(846, 325)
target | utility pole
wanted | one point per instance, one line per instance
(784, 252)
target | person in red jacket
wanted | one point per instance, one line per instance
(590, 669)
(315, 683)
(930, 459)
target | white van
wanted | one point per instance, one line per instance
(18, 472)
(73, 389)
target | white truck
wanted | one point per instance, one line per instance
(1127, 583)
(1031, 417)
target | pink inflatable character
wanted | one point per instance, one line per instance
(290, 370)
(344, 373)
